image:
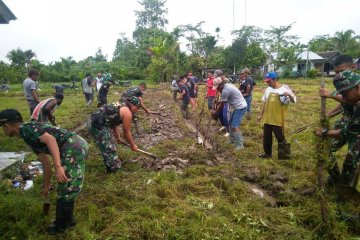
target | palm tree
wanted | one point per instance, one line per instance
(344, 41)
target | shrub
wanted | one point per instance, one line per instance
(312, 73)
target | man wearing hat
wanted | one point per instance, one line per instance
(87, 85)
(347, 83)
(104, 124)
(231, 95)
(276, 99)
(68, 151)
(247, 84)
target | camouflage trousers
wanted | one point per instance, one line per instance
(336, 144)
(73, 155)
(352, 162)
(105, 141)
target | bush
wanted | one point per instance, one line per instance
(312, 73)
(286, 73)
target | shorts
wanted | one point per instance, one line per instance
(89, 96)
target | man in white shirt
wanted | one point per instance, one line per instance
(99, 82)
(29, 85)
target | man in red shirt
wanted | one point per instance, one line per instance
(210, 93)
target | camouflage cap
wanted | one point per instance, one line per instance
(10, 116)
(134, 100)
(344, 81)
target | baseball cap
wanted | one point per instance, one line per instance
(346, 80)
(216, 83)
(10, 116)
(218, 73)
(270, 76)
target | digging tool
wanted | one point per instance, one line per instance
(303, 128)
(141, 151)
(200, 118)
(321, 155)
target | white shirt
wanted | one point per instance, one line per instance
(98, 83)
(281, 90)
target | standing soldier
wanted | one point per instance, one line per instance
(43, 112)
(276, 98)
(107, 118)
(68, 151)
(30, 88)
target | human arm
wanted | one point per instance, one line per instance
(328, 133)
(261, 114)
(53, 147)
(126, 117)
(247, 91)
(323, 92)
(116, 131)
(334, 110)
(44, 159)
(219, 107)
(143, 106)
(35, 95)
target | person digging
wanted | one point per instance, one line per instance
(104, 124)
(347, 83)
(43, 112)
(276, 100)
(68, 151)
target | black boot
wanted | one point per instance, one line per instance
(284, 150)
(64, 217)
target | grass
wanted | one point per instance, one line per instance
(203, 202)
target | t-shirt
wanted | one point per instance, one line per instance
(191, 83)
(210, 91)
(86, 86)
(276, 105)
(174, 85)
(99, 82)
(107, 116)
(243, 86)
(104, 89)
(31, 132)
(40, 114)
(186, 96)
(233, 97)
(251, 81)
(29, 85)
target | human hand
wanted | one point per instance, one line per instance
(134, 148)
(259, 118)
(324, 92)
(60, 175)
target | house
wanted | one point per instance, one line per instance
(5, 14)
(307, 60)
(329, 59)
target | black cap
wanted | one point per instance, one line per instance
(10, 116)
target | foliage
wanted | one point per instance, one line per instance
(312, 73)
(153, 14)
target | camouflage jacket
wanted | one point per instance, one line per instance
(351, 129)
(32, 131)
(131, 92)
(107, 116)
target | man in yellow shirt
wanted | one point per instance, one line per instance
(276, 99)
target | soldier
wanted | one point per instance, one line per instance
(107, 118)
(347, 84)
(68, 151)
(43, 112)
(104, 89)
(342, 63)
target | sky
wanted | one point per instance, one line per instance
(77, 28)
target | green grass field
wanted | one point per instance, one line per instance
(203, 201)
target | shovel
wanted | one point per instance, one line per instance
(141, 151)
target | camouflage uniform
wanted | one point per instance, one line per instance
(73, 153)
(350, 131)
(131, 92)
(338, 143)
(100, 126)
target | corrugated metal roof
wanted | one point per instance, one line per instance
(5, 14)
(303, 56)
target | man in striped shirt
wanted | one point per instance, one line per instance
(44, 110)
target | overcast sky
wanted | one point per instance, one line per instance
(62, 28)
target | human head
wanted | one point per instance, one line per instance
(190, 74)
(99, 75)
(343, 62)
(209, 74)
(142, 86)
(246, 72)
(133, 103)
(10, 119)
(347, 84)
(271, 79)
(218, 73)
(218, 84)
(241, 75)
(88, 75)
(33, 74)
(59, 98)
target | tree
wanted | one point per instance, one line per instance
(20, 58)
(280, 44)
(346, 43)
(321, 43)
(153, 14)
(99, 56)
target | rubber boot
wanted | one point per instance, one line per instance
(68, 214)
(231, 136)
(58, 225)
(334, 175)
(238, 141)
(284, 150)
